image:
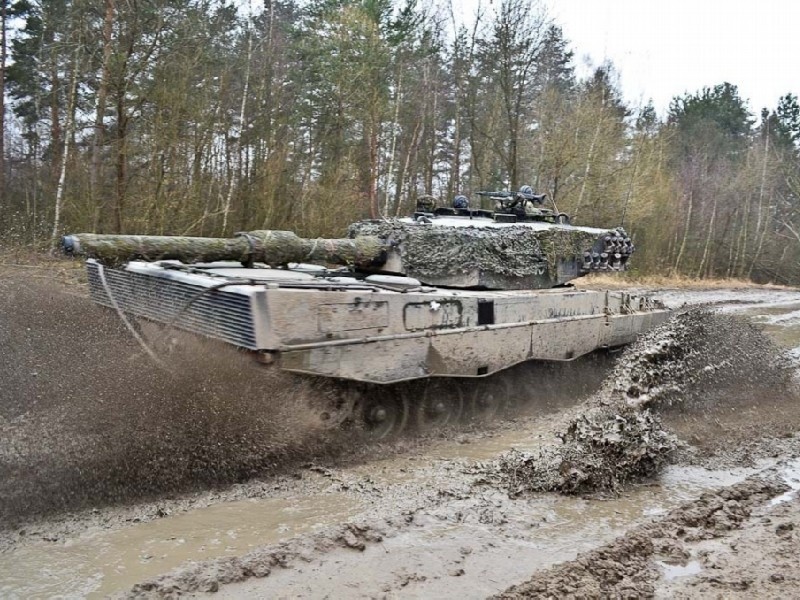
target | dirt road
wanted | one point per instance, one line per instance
(264, 506)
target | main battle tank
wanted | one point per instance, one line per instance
(454, 293)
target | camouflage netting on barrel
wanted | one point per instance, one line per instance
(516, 250)
(267, 246)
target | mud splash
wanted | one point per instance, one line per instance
(692, 362)
(602, 450)
(87, 420)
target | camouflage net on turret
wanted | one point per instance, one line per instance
(515, 250)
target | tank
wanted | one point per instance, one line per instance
(414, 316)
(455, 248)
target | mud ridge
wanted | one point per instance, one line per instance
(626, 567)
(207, 576)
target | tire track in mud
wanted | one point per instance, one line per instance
(628, 568)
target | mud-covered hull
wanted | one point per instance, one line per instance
(374, 330)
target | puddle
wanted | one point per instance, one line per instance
(528, 439)
(103, 563)
(731, 300)
(777, 311)
(675, 571)
(780, 321)
(791, 475)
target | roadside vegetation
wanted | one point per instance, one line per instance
(195, 118)
(634, 279)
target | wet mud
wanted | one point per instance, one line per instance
(121, 478)
(627, 567)
(760, 559)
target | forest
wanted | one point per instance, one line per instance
(206, 117)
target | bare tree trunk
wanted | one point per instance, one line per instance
(3, 14)
(760, 205)
(401, 175)
(69, 126)
(243, 107)
(455, 175)
(760, 247)
(372, 143)
(100, 110)
(741, 244)
(431, 149)
(393, 150)
(733, 251)
(629, 192)
(589, 157)
(121, 161)
(708, 237)
(55, 124)
(685, 231)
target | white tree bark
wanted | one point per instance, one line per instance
(237, 175)
(68, 134)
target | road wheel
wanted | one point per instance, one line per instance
(441, 404)
(562, 219)
(384, 414)
(490, 397)
(334, 409)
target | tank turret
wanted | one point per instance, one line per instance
(504, 249)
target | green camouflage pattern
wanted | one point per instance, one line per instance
(270, 247)
(515, 250)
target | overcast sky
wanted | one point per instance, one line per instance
(663, 48)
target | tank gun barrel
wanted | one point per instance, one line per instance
(267, 246)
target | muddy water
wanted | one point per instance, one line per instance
(477, 535)
(791, 475)
(101, 563)
(480, 546)
(782, 322)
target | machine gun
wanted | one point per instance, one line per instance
(523, 206)
(513, 198)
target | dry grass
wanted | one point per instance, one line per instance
(625, 280)
(42, 266)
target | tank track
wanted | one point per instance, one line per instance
(379, 412)
(383, 412)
